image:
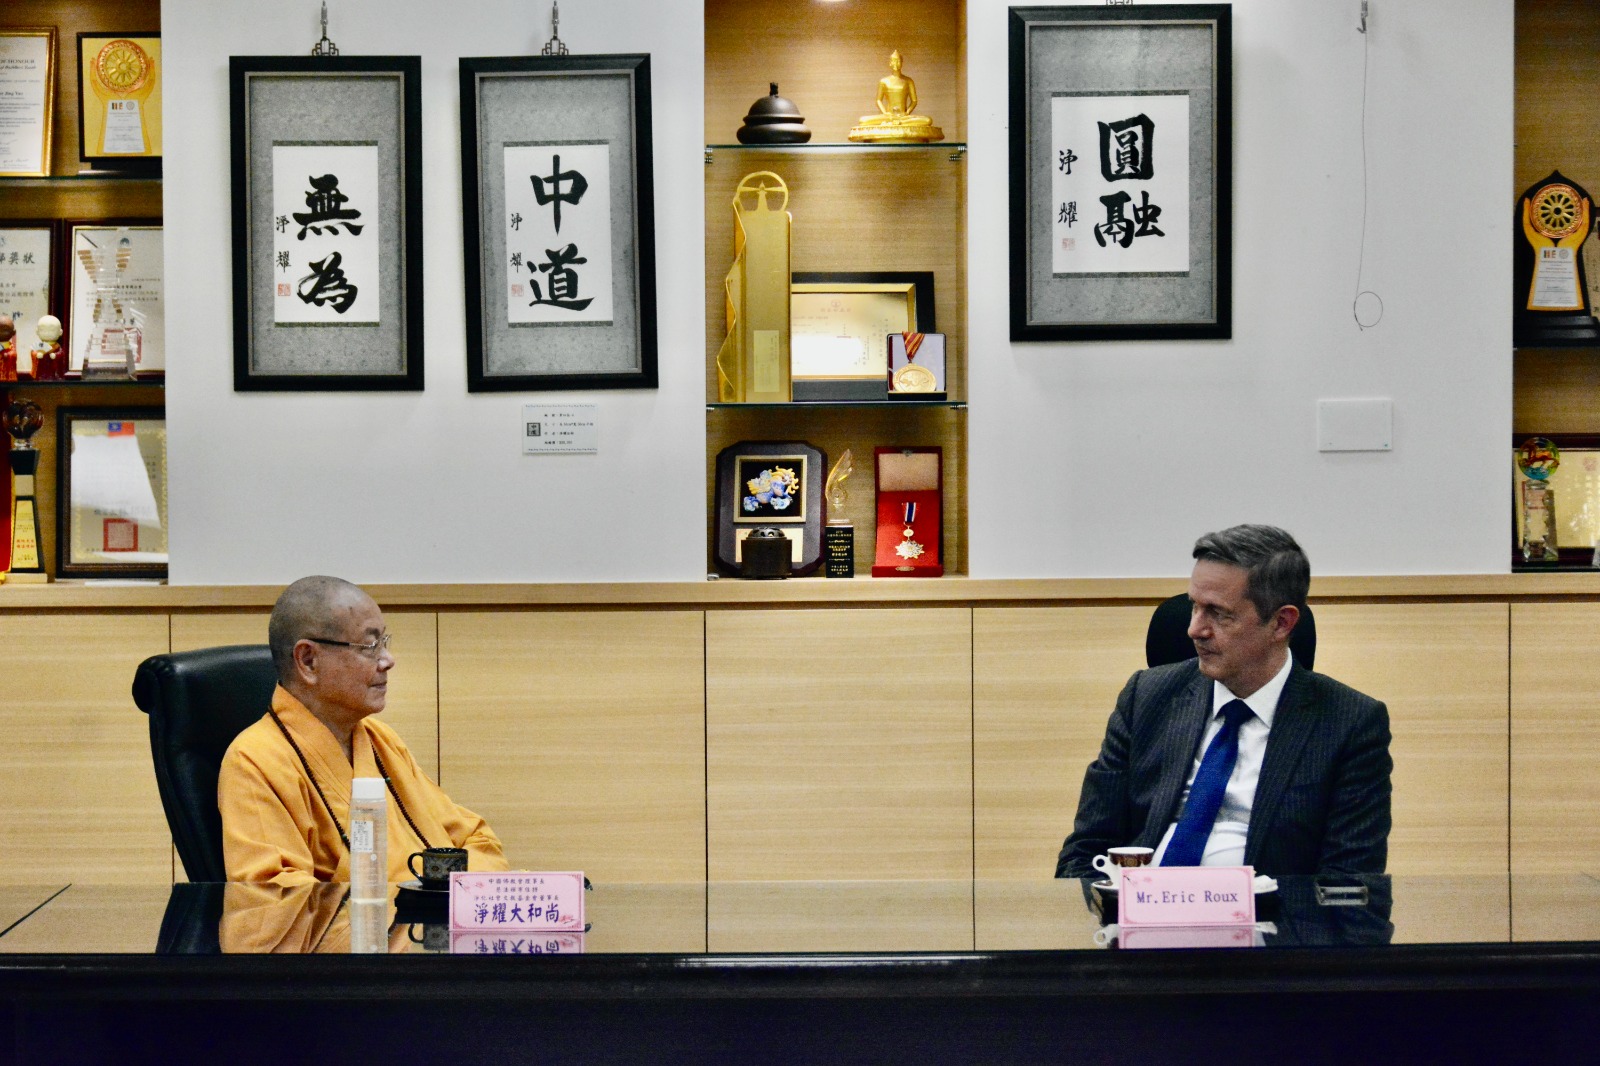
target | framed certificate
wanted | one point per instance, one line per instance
(327, 222)
(27, 273)
(558, 198)
(27, 92)
(119, 100)
(114, 293)
(839, 327)
(1575, 482)
(111, 478)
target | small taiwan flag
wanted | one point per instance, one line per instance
(119, 429)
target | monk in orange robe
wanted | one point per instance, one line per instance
(284, 788)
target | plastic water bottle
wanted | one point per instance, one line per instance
(369, 840)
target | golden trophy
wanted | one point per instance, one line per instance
(895, 122)
(22, 420)
(839, 536)
(753, 362)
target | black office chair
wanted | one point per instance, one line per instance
(1167, 639)
(198, 701)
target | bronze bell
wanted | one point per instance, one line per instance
(774, 120)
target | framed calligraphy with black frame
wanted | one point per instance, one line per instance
(1121, 172)
(558, 200)
(327, 222)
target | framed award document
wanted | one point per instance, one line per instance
(839, 325)
(119, 100)
(27, 264)
(111, 477)
(27, 91)
(116, 325)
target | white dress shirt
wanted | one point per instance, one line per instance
(1225, 846)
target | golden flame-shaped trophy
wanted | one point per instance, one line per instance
(22, 420)
(753, 363)
(839, 535)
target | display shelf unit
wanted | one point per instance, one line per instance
(74, 191)
(856, 207)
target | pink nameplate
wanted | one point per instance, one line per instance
(515, 903)
(1188, 936)
(479, 942)
(1186, 895)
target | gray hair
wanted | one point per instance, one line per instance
(303, 611)
(1278, 571)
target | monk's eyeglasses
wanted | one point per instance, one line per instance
(368, 650)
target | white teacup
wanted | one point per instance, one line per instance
(1115, 859)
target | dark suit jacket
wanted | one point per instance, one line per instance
(1322, 803)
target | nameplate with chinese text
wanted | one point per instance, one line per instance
(518, 902)
(482, 942)
(1186, 895)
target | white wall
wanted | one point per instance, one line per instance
(1110, 458)
(429, 486)
(1086, 459)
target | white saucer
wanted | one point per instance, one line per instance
(417, 886)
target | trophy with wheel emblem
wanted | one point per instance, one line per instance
(1554, 218)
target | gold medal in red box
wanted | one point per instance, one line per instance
(517, 903)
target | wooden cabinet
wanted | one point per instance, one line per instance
(855, 208)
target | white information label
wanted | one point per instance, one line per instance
(567, 428)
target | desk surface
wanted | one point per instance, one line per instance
(894, 971)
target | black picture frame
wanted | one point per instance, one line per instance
(548, 101)
(360, 100)
(69, 564)
(1173, 50)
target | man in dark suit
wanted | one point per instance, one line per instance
(1240, 757)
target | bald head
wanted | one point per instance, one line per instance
(308, 608)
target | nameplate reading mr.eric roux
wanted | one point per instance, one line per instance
(1186, 895)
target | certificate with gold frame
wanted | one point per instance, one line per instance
(28, 88)
(119, 100)
(111, 473)
(839, 325)
(1576, 483)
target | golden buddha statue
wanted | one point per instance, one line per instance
(895, 122)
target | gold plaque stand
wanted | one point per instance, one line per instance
(753, 362)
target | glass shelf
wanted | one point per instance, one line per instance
(954, 149)
(814, 405)
(92, 177)
(79, 383)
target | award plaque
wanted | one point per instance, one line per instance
(111, 483)
(840, 323)
(1554, 219)
(119, 95)
(839, 536)
(773, 485)
(1538, 458)
(910, 512)
(27, 90)
(117, 327)
(753, 362)
(22, 420)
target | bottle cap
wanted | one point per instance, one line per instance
(366, 789)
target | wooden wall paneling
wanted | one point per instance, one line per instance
(1442, 670)
(1440, 910)
(580, 736)
(1555, 906)
(646, 917)
(760, 916)
(75, 774)
(1045, 680)
(1032, 916)
(839, 744)
(1555, 738)
(413, 706)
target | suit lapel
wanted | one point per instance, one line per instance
(1184, 727)
(1292, 724)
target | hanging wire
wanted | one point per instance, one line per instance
(1361, 261)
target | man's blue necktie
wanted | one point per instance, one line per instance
(1188, 844)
